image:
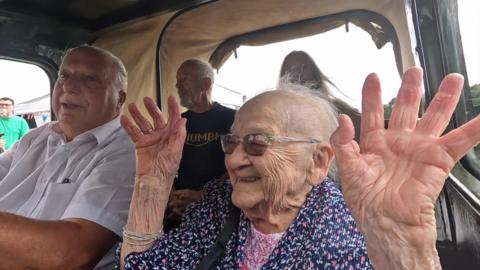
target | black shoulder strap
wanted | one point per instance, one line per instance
(219, 248)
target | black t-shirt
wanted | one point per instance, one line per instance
(203, 158)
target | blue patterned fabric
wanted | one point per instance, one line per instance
(323, 236)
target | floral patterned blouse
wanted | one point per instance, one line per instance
(322, 236)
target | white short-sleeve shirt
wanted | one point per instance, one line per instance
(91, 177)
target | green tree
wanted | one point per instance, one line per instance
(387, 108)
(475, 94)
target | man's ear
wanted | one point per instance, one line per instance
(206, 84)
(122, 96)
(322, 157)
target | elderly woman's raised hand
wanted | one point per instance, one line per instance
(393, 178)
(158, 150)
(158, 147)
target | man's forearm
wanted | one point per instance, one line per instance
(36, 244)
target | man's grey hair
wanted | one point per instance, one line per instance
(118, 71)
(203, 69)
(325, 107)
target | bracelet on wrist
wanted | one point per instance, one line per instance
(139, 244)
(139, 239)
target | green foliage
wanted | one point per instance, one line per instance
(475, 94)
(387, 108)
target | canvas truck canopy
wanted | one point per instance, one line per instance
(212, 30)
(137, 46)
(199, 32)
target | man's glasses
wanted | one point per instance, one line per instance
(256, 144)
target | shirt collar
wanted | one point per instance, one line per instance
(103, 132)
(100, 133)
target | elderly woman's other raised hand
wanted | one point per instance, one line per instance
(158, 147)
(393, 178)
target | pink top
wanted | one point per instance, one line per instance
(258, 247)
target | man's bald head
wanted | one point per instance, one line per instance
(200, 69)
(115, 70)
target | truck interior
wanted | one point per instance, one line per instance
(153, 37)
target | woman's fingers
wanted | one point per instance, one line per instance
(139, 119)
(405, 111)
(174, 130)
(440, 110)
(345, 131)
(178, 134)
(372, 107)
(133, 132)
(460, 140)
(347, 152)
(155, 113)
(173, 111)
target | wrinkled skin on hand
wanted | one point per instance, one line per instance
(393, 178)
(158, 147)
(158, 153)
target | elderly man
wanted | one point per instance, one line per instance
(65, 187)
(202, 159)
(13, 127)
(292, 216)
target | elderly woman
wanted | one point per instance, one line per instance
(292, 217)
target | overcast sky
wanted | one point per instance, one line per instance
(22, 81)
(345, 57)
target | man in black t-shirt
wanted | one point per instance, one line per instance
(202, 158)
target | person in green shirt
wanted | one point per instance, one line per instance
(12, 126)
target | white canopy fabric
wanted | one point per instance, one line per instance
(39, 104)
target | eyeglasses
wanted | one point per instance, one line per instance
(256, 144)
(6, 105)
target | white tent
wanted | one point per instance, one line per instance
(39, 104)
